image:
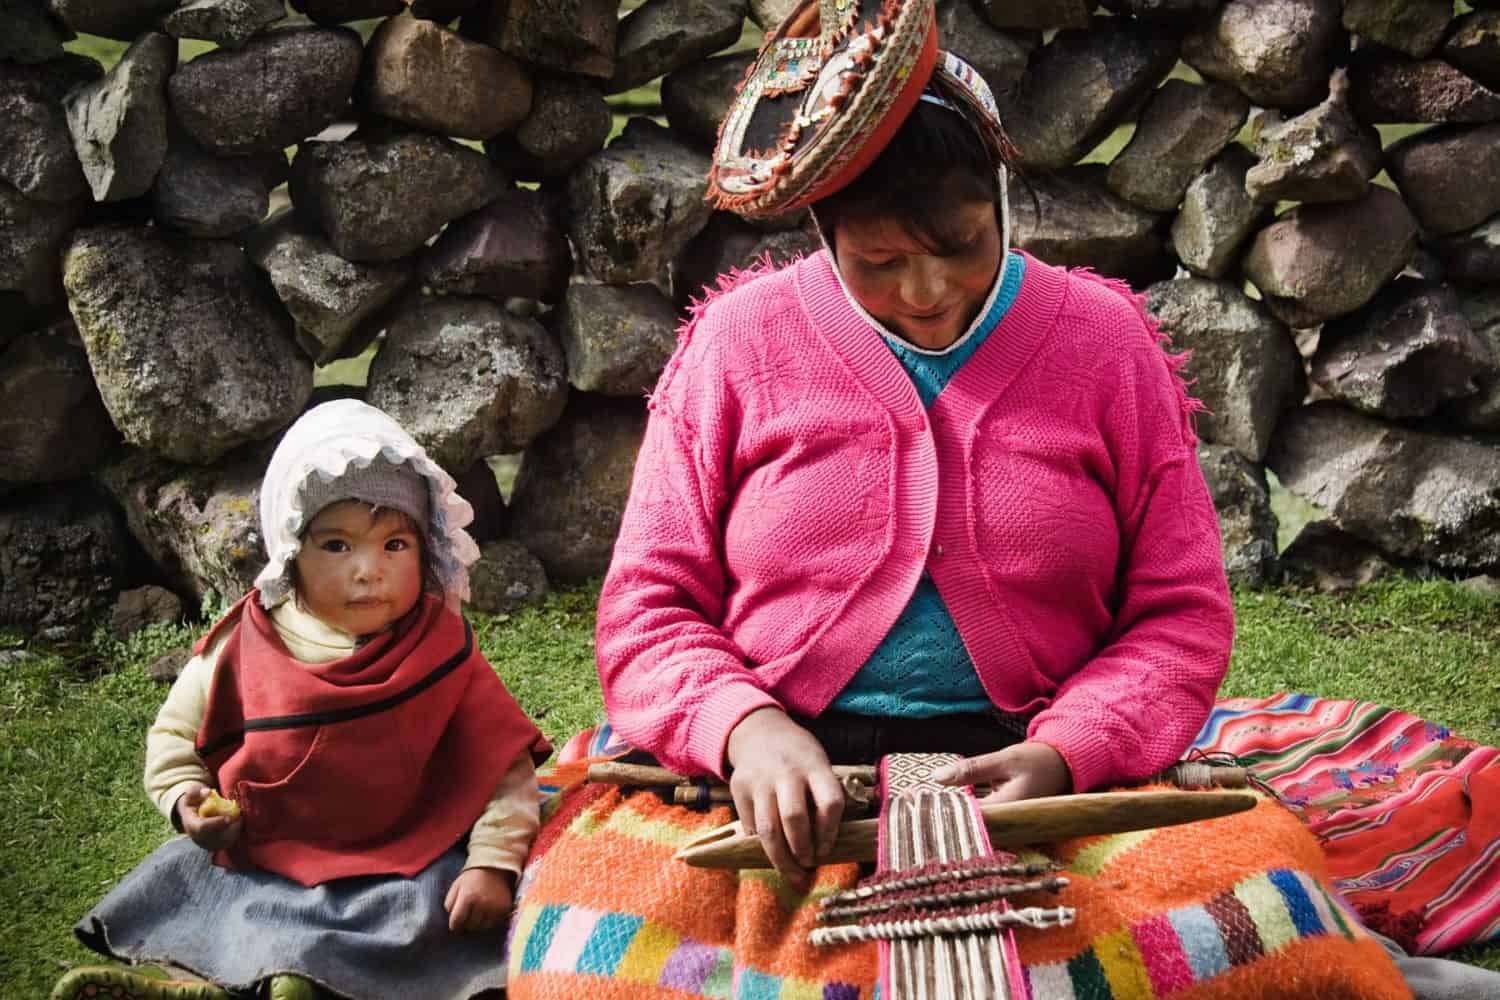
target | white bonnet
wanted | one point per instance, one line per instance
(326, 442)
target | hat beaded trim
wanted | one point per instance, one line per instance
(889, 63)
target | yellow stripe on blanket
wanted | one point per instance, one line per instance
(648, 953)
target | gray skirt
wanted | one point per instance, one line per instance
(365, 938)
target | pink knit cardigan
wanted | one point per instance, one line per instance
(791, 489)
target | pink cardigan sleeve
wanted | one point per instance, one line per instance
(1134, 708)
(674, 684)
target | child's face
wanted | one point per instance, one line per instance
(359, 571)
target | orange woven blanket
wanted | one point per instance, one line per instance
(1230, 908)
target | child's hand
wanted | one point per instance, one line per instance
(479, 899)
(1025, 771)
(212, 833)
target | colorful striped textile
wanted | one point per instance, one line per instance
(1230, 908)
(1408, 813)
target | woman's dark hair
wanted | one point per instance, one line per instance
(934, 161)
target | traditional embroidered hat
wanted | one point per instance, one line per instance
(830, 87)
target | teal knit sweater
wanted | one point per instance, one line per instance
(921, 668)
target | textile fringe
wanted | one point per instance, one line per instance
(727, 282)
(1190, 405)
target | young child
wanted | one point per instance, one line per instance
(355, 783)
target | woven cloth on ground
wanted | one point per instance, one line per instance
(1408, 813)
(1229, 908)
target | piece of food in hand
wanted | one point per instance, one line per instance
(214, 804)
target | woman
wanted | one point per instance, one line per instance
(915, 492)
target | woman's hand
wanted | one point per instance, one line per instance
(212, 833)
(1025, 771)
(784, 789)
(478, 899)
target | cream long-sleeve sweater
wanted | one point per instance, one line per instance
(500, 838)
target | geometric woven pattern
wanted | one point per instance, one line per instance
(1172, 951)
(1224, 909)
(1408, 812)
(570, 939)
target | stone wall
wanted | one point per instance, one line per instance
(445, 192)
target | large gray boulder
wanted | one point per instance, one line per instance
(199, 524)
(1074, 220)
(1481, 411)
(1414, 27)
(1324, 154)
(281, 87)
(1244, 363)
(36, 148)
(1277, 52)
(1081, 85)
(1414, 494)
(634, 205)
(568, 122)
(330, 299)
(422, 74)
(1404, 354)
(1449, 176)
(660, 36)
(1393, 89)
(55, 427)
(1183, 127)
(212, 196)
(1316, 262)
(1038, 14)
(617, 338)
(1474, 46)
(573, 484)
(32, 234)
(513, 386)
(119, 122)
(1217, 215)
(696, 97)
(124, 20)
(999, 56)
(511, 248)
(33, 35)
(63, 556)
(573, 37)
(383, 197)
(728, 244)
(506, 578)
(1247, 526)
(1473, 256)
(227, 23)
(192, 352)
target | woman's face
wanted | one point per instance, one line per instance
(927, 298)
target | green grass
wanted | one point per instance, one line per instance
(73, 720)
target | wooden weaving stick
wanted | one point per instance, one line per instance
(1010, 824)
(1184, 775)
